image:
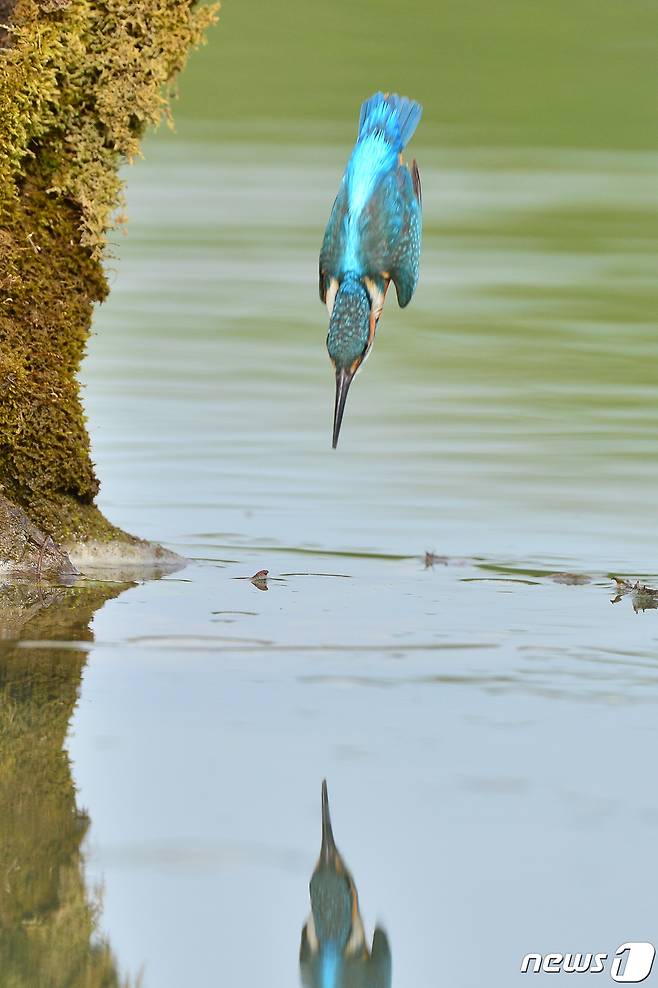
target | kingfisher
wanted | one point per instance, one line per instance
(372, 237)
(333, 951)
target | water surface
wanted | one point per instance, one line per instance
(486, 723)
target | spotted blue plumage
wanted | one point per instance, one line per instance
(373, 235)
(350, 320)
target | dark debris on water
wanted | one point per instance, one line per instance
(259, 579)
(643, 598)
(432, 560)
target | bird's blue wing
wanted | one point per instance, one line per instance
(368, 970)
(333, 245)
(380, 961)
(390, 231)
(406, 263)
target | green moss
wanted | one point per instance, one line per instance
(78, 85)
(48, 283)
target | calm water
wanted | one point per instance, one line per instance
(487, 724)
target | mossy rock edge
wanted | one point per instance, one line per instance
(80, 80)
(28, 553)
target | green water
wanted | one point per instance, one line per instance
(571, 73)
(486, 723)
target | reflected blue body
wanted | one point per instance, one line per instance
(333, 952)
(329, 967)
(372, 237)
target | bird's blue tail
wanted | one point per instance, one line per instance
(396, 116)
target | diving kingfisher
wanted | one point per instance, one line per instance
(372, 237)
(333, 951)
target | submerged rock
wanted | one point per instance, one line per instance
(571, 579)
(126, 554)
(28, 553)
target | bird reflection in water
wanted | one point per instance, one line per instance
(333, 951)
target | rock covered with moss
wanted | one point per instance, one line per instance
(80, 80)
(26, 551)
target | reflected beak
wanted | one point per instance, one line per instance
(343, 381)
(329, 855)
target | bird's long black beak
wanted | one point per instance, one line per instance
(343, 381)
(328, 852)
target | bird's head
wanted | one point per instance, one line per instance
(349, 339)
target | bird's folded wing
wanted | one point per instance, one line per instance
(333, 245)
(388, 235)
(390, 228)
(380, 961)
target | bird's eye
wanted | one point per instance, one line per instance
(330, 297)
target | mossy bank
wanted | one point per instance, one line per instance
(80, 80)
